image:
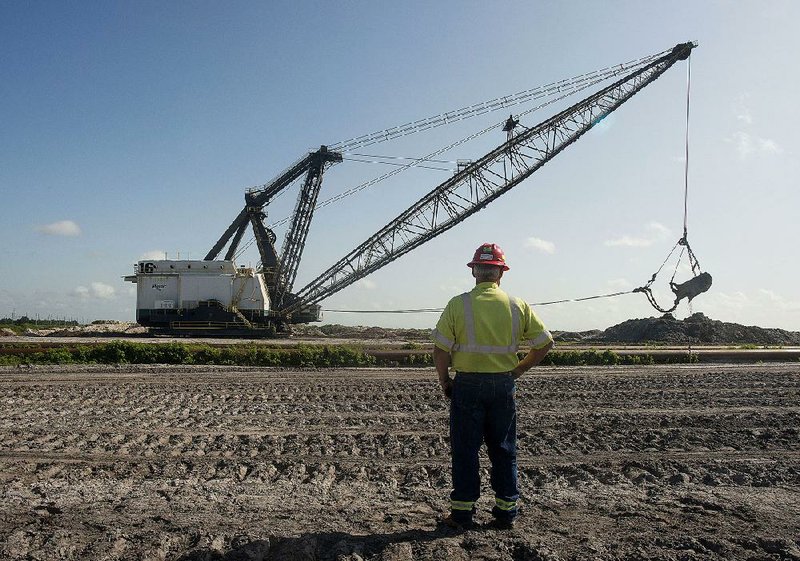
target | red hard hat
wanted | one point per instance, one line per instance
(489, 254)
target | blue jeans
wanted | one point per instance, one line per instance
(482, 408)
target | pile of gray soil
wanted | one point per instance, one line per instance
(697, 328)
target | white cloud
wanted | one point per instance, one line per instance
(66, 228)
(628, 241)
(153, 255)
(660, 231)
(367, 284)
(744, 144)
(770, 295)
(761, 299)
(769, 145)
(456, 286)
(778, 300)
(620, 284)
(763, 307)
(96, 290)
(655, 231)
(733, 300)
(747, 145)
(741, 109)
(541, 245)
(103, 291)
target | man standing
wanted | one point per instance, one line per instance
(479, 334)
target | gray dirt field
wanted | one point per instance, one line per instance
(661, 462)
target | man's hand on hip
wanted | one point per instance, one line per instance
(441, 359)
(447, 387)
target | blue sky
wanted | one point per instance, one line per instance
(131, 129)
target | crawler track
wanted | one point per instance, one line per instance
(692, 462)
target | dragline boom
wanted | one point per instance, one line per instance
(475, 186)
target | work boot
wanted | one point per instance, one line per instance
(458, 525)
(501, 524)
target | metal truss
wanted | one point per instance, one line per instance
(295, 240)
(280, 271)
(479, 183)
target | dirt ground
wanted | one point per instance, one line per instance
(672, 462)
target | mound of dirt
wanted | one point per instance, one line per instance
(697, 328)
(105, 329)
(575, 336)
(361, 332)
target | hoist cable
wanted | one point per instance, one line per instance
(416, 159)
(412, 311)
(488, 106)
(684, 241)
(420, 166)
(686, 160)
(442, 150)
(439, 310)
(582, 299)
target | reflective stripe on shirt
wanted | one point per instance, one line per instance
(540, 341)
(469, 325)
(444, 341)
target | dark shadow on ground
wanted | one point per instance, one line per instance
(321, 546)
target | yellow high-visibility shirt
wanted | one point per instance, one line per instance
(484, 328)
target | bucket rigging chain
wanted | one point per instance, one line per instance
(699, 283)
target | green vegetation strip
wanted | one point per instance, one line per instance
(125, 352)
(23, 324)
(319, 356)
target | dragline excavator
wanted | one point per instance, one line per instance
(214, 295)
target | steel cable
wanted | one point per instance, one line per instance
(483, 107)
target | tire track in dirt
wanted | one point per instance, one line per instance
(154, 462)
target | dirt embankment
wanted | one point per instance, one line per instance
(191, 464)
(696, 329)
